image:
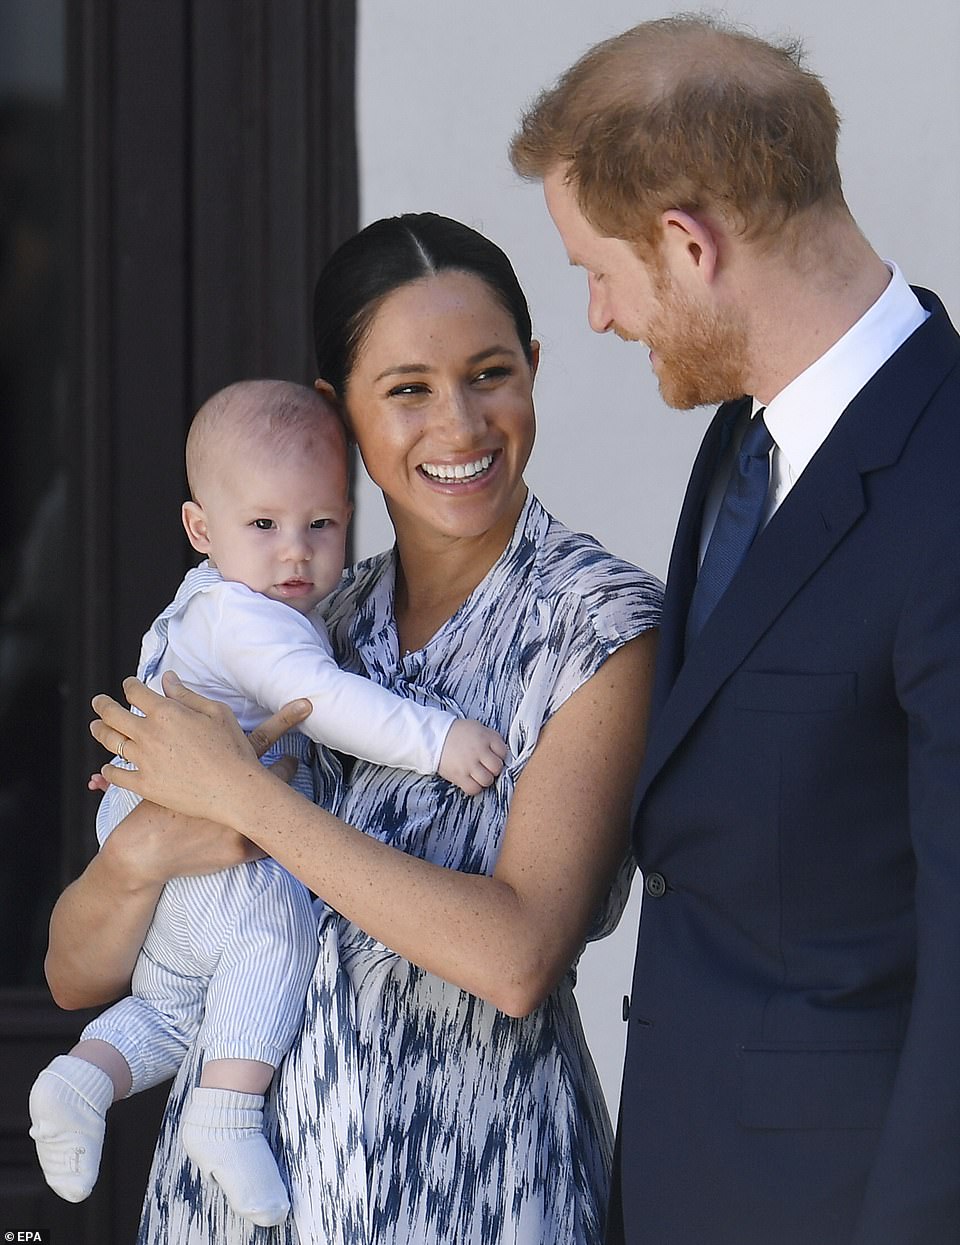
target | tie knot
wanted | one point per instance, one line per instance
(757, 441)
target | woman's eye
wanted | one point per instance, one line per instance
(492, 373)
(264, 525)
(320, 523)
(403, 391)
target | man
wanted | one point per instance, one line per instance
(792, 1074)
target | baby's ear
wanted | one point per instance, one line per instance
(195, 525)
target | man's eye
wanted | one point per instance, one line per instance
(320, 523)
(264, 525)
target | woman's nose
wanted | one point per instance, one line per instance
(463, 414)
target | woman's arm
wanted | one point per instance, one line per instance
(508, 938)
(99, 922)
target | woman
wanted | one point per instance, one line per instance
(441, 1090)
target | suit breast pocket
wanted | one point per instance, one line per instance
(769, 691)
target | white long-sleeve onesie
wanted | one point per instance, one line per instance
(256, 654)
(234, 951)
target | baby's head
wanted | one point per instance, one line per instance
(267, 468)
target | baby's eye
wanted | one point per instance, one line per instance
(320, 523)
(264, 525)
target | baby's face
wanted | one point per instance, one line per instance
(281, 527)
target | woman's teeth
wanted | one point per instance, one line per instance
(462, 471)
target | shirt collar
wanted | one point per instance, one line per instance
(802, 415)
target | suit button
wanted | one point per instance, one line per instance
(655, 884)
(626, 1007)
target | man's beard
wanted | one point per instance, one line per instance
(701, 355)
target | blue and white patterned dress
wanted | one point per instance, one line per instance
(410, 1112)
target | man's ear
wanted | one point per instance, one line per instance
(690, 245)
(195, 525)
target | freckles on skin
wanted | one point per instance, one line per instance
(443, 383)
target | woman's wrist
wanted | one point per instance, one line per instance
(251, 801)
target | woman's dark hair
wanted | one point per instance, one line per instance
(389, 254)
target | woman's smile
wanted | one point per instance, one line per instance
(461, 475)
(440, 402)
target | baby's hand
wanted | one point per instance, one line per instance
(97, 782)
(472, 756)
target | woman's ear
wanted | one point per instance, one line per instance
(326, 390)
(195, 525)
(534, 356)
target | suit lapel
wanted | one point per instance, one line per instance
(820, 510)
(795, 542)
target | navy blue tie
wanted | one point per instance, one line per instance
(738, 522)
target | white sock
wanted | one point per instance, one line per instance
(223, 1134)
(68, 1108)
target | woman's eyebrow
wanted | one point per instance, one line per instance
(488, 352)
(402, 369)
(409, 369)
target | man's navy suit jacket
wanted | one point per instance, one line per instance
(793, 1058)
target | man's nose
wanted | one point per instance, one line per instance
(598, 313)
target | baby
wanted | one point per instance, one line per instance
(230, 955)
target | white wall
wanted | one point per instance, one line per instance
(442, 83)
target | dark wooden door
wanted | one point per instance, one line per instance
(166, 199)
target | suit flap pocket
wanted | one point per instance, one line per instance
(772, 692)
(832, 1087)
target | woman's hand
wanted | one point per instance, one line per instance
(508, 938)
(190, 753)
(109, 907)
